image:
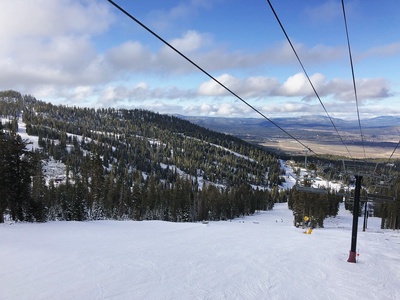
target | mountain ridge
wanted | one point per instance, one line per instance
(379, 133)
(312, 121)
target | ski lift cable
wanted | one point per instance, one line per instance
(308, 77)
(395, 148)
(352, 73)
(209, 75)
(360, 167)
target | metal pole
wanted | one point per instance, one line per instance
(305, 160)
(365, 215)
(356, 209)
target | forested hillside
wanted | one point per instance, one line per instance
(127, 164)
(140, 165)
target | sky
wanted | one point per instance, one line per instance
(87, 53)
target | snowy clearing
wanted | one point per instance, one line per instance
(259, 257)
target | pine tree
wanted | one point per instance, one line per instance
(15, 176)
(39, 191)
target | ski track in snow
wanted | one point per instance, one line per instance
(258, 257)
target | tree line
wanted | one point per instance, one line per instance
(316, 206)
(93, 195)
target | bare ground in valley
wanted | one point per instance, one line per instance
(295, 148)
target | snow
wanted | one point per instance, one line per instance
(258, 257)
(316, 182)
(53, 170)
(290, 177)
(34, 140)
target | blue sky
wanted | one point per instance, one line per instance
(87, 53)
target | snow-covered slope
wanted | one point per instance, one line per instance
(52, 169)
(258, 257)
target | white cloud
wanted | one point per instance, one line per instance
(295, 85)
(252, 87)
(325, 12)
(41, 18)
(367, 89)
(58, 50)
(82, 93)
(205, 108)
(141, 94)
(282, 54)
(191, 41)
(142, 85)
(379, 110)
(64, 53)
(203, 51)
(221, 109)
(228, 110)
(47, 44)
(288, 107)
(129, 56)
(382, 51)
(63, 60)
(212, 88)
(112, 95)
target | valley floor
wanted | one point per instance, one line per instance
(357, 152)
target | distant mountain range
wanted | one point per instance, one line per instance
(378, 132)
(217, 123)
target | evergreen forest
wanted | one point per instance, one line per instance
(127, 164)
(139, 165)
